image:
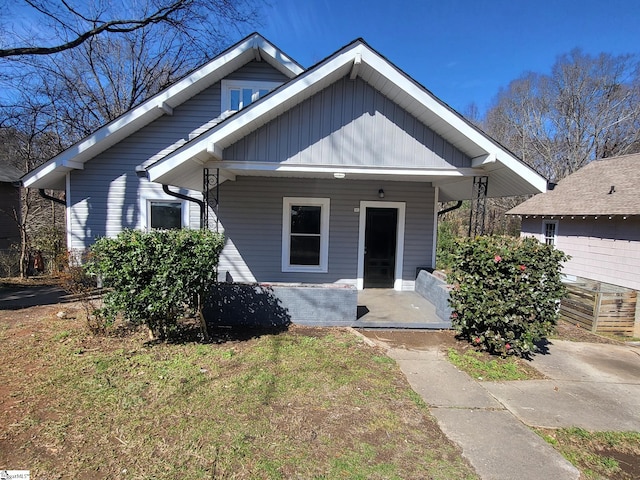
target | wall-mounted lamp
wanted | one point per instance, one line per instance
(381, 193)
(338, 175)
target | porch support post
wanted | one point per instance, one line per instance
(210, 180)
(478, 206)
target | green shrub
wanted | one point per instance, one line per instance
(506, 293)
(156, 277)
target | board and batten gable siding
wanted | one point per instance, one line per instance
(250, 213)
(348, 124)
(606, 250)
(105, 196)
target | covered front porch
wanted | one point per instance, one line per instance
(387, 308)
(280, 304)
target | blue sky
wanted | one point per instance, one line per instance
(461, 50)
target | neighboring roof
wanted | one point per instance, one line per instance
(509, 175)
(9, 174)
(603, 187)
(52, 173)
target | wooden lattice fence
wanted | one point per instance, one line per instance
(601, 307)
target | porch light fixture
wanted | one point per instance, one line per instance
(381, 193)
(338, 175)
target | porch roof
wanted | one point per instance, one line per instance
(507, 174)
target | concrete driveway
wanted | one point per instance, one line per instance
(593, 386)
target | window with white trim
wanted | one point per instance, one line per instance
(237, 94)
(165, 214)
(550, 231)
(305, 234)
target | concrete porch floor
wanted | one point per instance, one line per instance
(386, 308)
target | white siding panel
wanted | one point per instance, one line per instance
(251, 213)
(600, 249)
(349, 123)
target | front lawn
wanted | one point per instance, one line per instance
(307, 403)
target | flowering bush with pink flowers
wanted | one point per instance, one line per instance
(506, 293)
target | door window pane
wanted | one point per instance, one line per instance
(166, 215)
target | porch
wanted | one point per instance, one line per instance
(330, 305)
(387, 308)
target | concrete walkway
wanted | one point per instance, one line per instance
(593, 386)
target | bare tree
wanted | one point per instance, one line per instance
(70, 66)
(70, 23)
(77, 86)
(587, 108)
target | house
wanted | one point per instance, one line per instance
(326, 178)
(9, 207)
(593, 215)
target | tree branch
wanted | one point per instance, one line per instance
(113, 26)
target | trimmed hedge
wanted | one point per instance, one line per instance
(156, 277)
(506, 292)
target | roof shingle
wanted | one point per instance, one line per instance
(603, 187)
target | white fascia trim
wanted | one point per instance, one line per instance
(156, 106)
(276, 58)
(67, 210)
(253, 113)
(436, 196)
(330, 169)
(483, 160)
(450, 117)
(303, 86)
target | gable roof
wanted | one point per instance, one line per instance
(603, 187)
(52, 173)
(509, 175)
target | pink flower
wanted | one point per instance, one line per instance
(497, 258)
(507, 346)
(454, 315)
(523, 268)
(478, 340)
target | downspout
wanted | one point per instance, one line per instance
(44, 195)
(165, 189)
(450, 209)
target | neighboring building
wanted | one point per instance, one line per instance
(592, 215)
(9, 206)
(330, 175)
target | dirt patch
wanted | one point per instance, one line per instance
(575, 333)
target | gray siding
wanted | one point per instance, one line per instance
(105, 196)
(251, 214)
(259, 71)
(348, 123)
(603, 249)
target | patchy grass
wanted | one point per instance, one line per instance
(482, 366)
(598, 455)
(307, 403)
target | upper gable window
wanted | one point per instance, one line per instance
(237, 94)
